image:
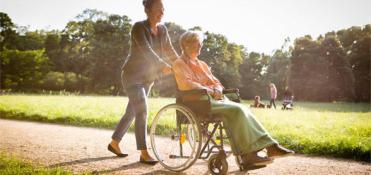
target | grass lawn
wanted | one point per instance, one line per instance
(10, 166)
(337, 129)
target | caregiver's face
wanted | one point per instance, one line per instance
(156, 11)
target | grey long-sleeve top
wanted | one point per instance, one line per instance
(147, 57)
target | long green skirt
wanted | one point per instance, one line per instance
(245, 133)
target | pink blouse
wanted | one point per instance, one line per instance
(194, 74)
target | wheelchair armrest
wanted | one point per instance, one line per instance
(192, 92)
(229, 91)
(233, 94)
(193, 95)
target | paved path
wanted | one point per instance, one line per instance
(84, 149)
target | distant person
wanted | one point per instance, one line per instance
(288, 100)
(151, 53)
(273, 93)
(258, 103)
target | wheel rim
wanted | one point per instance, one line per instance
(167, 137)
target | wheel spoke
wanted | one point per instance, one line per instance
(168, 140)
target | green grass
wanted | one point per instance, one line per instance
(336, 129)
(11, 166)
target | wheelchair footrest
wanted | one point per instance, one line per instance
(172, 156)
(215, 152)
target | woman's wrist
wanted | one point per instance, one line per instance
(214, 90)
(209, 90)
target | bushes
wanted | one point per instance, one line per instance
(56, 81)
(22, 70)
(53, 81)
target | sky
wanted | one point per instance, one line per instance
(259, 25)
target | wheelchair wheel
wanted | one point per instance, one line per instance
(176, 137)
(217, 165)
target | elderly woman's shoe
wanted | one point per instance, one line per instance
(276, 150)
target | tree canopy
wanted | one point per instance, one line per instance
(87, 54)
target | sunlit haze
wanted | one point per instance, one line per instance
(259, 25)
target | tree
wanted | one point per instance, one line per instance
(78, 43)
(356, 44)
(90, 50)
(308, 71)
(23, 70)
(216, 54)
(232, 75)
(110, 46)
(7, 32)
(175, 31)
(252, 75)
(340, 76)
(278, 70)
(30, 40)
(53, 50)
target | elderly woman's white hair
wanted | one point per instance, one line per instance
(189, 37)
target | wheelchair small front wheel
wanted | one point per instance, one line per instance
(217, 165)
(176, 137)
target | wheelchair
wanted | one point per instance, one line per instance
(186, 131)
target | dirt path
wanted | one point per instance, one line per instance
(84, 149)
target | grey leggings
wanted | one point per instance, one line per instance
(137, 107)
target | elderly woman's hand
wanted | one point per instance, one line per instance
(218, 94)
(167, 70)
(215, 93)
(209, 91)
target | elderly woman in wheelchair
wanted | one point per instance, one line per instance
(246, 135)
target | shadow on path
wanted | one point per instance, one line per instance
(164, 172)
(86, 160)
(124, 167)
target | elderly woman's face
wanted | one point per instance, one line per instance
(156, 11)
(194, 48)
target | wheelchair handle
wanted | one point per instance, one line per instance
(229, 91)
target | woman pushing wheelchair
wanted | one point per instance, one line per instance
(246, 134)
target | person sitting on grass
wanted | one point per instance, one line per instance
(246, 135)
(257, 103)
(288, 100)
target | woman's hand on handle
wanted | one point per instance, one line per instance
(215, 93)
(218, 94)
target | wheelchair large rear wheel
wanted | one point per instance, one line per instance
(176, 137)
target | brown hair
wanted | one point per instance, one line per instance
(148, 3)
